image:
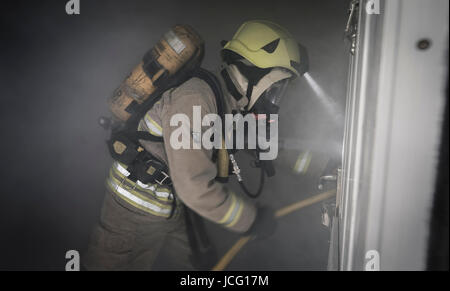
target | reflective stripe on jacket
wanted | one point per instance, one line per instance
(150, 198)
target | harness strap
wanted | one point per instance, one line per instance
(124, 144)
(230, 86)
(145, 135)
(215, 86)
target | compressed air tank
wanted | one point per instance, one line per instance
(180, 49)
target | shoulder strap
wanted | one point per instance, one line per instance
(200, 73)
(214, 83)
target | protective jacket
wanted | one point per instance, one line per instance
(192, 171)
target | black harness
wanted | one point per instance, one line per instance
(124, 145)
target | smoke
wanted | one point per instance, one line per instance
(57, 72)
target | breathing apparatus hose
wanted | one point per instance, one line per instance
(237, 172)
(260, 188)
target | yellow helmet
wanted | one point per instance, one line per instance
(267, 45)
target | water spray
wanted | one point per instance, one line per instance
(324, 98)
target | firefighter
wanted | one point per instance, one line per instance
(138, 220)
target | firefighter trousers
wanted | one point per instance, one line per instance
(127, 240)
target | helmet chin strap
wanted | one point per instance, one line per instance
(250, 87)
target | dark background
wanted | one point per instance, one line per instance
(56, 72)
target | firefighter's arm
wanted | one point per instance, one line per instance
(193, 172)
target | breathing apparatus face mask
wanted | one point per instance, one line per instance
(269, 101)
(262, 90)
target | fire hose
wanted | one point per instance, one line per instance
(228, 257)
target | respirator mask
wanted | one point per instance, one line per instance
(269, 101)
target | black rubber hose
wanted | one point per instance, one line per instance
(260, 188)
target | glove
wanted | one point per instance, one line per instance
(264, 225)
